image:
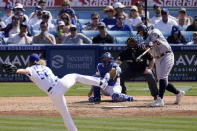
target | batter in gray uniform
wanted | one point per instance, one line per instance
(164, 60)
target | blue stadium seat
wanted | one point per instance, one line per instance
(188, 35)
(83, 21)
(90, 33)
(119, 33)
(121, 40)
(54, 21)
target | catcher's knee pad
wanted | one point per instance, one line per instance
(96, 91)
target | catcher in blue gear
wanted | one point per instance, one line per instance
(113, 89)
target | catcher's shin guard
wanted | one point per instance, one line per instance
(121, 97)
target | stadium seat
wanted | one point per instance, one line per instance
(90, 33)
(54, 21)
(83, 21)
(188, 35)
(121, 40)
(119, 33)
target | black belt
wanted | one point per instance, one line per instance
(162, 54)
(50, 88)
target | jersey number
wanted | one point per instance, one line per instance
(43, 74)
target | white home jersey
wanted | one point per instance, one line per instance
(160, 44)
(42, 76)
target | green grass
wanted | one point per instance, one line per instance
(45, 123)
(134, 88)
(22, 123)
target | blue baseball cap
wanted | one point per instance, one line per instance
(175, 29)
(9, 7)
(38, 8)
(164, 11)
(34, 57)
(70, 11)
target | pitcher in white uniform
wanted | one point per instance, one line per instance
(44, 78)
(164, 60)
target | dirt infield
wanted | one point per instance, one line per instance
(79, 106)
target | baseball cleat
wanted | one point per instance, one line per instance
(158, 102)
(104, 81)
(94, 99)
(130, 98)
(179, 96)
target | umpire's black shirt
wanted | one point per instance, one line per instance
(129, 55)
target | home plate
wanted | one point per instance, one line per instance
(115, 106)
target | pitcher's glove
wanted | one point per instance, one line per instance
(113, 74)
(9, 68)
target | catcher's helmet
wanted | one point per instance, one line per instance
(131, 42)
(106, 58)
(107, 55)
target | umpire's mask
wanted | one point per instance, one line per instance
(132, 43)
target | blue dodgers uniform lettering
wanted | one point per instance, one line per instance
(105, 69)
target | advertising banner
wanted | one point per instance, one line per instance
(102, 3)
(67, 61)
(19, 57)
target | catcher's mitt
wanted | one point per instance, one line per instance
(9, 68)
(113, 74)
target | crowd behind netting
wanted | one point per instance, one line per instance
(41, 28)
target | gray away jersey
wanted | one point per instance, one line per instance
(160, 44)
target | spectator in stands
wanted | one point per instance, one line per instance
(12, 28)
(110, 19)
(166, 23)
(103, 36)
(120, 26)
(157, 17)
(134, 19)
(2, 26)
(36, 16)
(66, 19)
(21, 17)
(19, 8)
(21, 37)
(183, 20)
(72, 15)
(42, 4)
(62, 32)
(146, 21)
(76, 38)
(176, 37)
(65, 5)
(8, 14)
(119, 8)
(140, 6)
(193, 26)
(44, 37)
(94, 22)
(194, 39)
(45, 18)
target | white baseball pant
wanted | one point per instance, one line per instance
(57, 95)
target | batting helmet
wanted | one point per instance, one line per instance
(144, 29)
(131, 42)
